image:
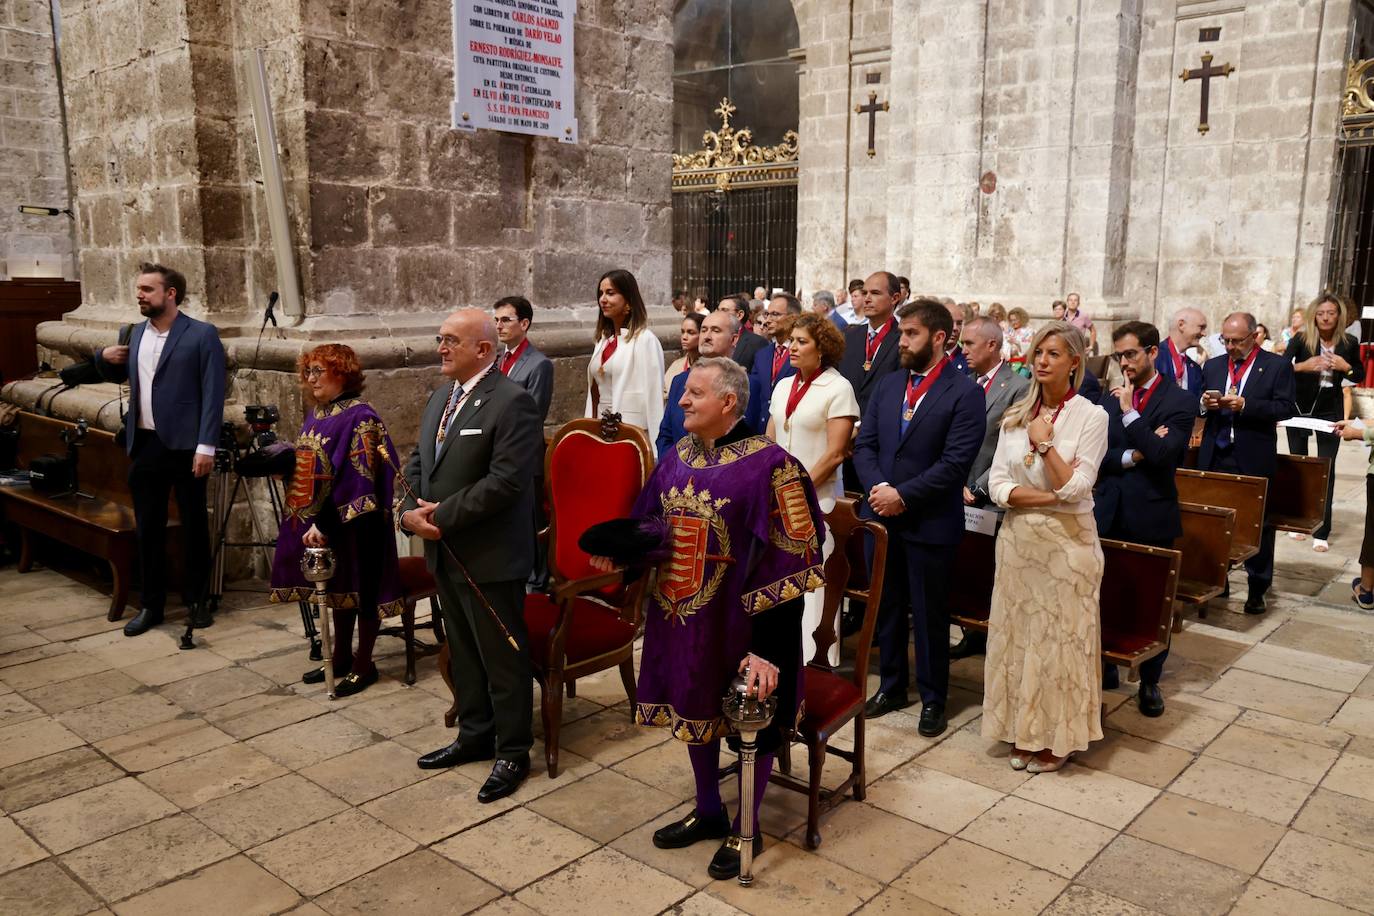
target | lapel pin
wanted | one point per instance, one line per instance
(477, 403)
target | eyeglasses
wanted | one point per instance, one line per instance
(314, 372)
(1237, 341)
(505, 319)
(1132, 355)
(447, 340)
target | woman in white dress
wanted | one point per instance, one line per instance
(625, 373)
(1042, 684)
(812, 416)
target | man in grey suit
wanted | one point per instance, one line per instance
(174, 365)
(473, 470)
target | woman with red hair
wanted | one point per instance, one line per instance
(340, 497)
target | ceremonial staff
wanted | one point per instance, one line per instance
(448, 551)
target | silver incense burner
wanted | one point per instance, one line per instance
(317, 565)
(748, 715)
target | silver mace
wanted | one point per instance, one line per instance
(748, 715)
(317, 564)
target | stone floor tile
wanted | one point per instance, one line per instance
(52, 670)
(1351, 775)
(308, 858)
(21, 639)
(702, 904)
(82, 691)
(1321, 639)
(1205, 649)
(435, 808)
(93, 814)
(968, 755)
(687, 865)
(871, 841)
(211, 775)
(37, 781)
(119, 716)
(1084, 901)
(1273, 754)
(609, 736)
(118, 651)
(266, 811)
(1356, 716)
(44, 888)
(603, 805)
(1361, 746)
(362, 775)
(254, 642)
(893, 902)
(1094, 795)
(1262, 898)
(419, 884)
(1163, 880)
(162, 744)
(436, 735)
(1039, 836)
(1242, 789)
(505, 906)
(1325, 869)
(604, 882)
(1322, 735)
(1147, 762)
(967, 879)
(1273, 695)
(236, 885)
(33, 654)
(248, 717)
(146, 856)
(1338, 817)
(667, 767)
(516, 848)
(1208, 832)
(215, 688)
(788, 879)
(396, 713)
(157, 672)
(1179, 727)
(15, 709)
(1305, 667)
(304, 743)
(17, 849)
(946, 803)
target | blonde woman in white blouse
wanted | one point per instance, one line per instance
(812, 416)
(1042, 684)
(625, 373)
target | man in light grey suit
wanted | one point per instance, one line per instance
(473, 469)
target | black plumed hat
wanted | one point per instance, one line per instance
(628, 541)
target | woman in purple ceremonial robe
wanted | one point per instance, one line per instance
(340, 497)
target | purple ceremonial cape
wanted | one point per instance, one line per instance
(747, 536)
(341, 484)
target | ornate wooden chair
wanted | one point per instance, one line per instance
(833, 699)
(594, 471)
(417, 584)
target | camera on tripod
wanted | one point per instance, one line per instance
(261, 418)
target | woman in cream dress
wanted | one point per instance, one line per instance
(625, 373)
(1042, 684)
(812, 416)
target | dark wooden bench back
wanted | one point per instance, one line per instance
(1205, 547)
(970, 592)
(1297, 501)
(1233, 491)
(1137, 601)
(102, 466)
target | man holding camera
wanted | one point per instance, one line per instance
(174, 365)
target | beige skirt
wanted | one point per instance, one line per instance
(1042, 684)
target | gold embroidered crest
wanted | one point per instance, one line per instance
(796, 528)
(362, 451)
(684, 583)
(307, 495)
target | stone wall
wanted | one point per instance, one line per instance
(33, 161)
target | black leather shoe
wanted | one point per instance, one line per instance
(200, 616)
(880, 704)
(316, 675)
(354, 683)
(1111, 678)
(1150, 700)
(144, 621)
(453, 755)
(1254, 604)
(505, 778)
(691, 829)
(970, 645)
(725, 863)
(933, 721)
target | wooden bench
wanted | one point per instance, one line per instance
(1297, 501)
(1231, 491)
(1137, 596)
(1205, 549)
(102, 526)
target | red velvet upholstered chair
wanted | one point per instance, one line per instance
(594, 471)
(833, 699)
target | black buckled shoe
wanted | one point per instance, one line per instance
(725, 863)
(971, 644)
(1254, 604)
(354, 683)
(1150, 700)
(454, 755)
(144, 621)
(316, 675)
(199, 615)
(880, 704)
(505, 778)
(692, 829)
(933, 721)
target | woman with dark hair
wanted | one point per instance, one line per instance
(691, 335)
(625, 373)
(1326, 360)
(340, 497)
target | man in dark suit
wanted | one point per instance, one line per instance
(773, 363)
(738, 306)
(1149, 422)
(174, 365)
(1244, 395)
(921, 431)
(473, 469)
(870, 347)
(719, 335)
(1185, 331)
(956, 353)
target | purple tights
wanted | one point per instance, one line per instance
(706, 770)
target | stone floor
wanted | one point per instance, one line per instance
(139, 779)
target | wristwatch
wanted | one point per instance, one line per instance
(1044, 447)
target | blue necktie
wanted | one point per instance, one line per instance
(1227, 431)
(915, 380)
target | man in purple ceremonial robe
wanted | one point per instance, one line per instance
(339, 497)
(738, 521)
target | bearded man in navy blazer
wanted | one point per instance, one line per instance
(1149, 422)
(174, 365)
(1245, 394)
(921, 432)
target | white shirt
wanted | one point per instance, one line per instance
(1080, 432)
(805, 437)
(150, 347)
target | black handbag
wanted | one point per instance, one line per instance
(51, 474)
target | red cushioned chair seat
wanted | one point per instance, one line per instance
(594, 630)
(830, 701)
(415, 577)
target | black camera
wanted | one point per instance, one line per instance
(261, 418)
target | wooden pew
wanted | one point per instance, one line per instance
(102, 526)
(1232, 491)
(1205, 548)
(1297, 501)
(1137, 596)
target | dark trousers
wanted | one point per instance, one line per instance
(916, 583)
(1259, 569)
(155, 473)
(539, 576)
(494, 683)
(1328, 445)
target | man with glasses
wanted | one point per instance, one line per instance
(737, 306)
(773, 363)
(1245, 394)
(1149, 422)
